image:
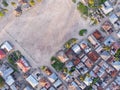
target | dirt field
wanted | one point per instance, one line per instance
(41, 31)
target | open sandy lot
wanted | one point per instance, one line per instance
(41, 31)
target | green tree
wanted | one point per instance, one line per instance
(13, 4)
(5, 3)
(1, 14)
(117, 55)
(32, 2)
(83, 9)
(1, 82)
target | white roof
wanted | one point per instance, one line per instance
(13, 87)
(57, 83)
(6, 45)
(27, 88)
(32, 81)
(88, 81)
(9, 80)
(76, 48)
(107, 7)
(113, 18)
(52, 77)
(5, 71)
(116, 65)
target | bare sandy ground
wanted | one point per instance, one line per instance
(41, 31)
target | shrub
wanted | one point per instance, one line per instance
(1, 14)
(32, 2)
(5, 3)
(70, 42)
(13, 4)
(82, 32)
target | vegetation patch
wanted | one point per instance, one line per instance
(4, 3)
(70, 42)
(82, 32)
(56, 64)
(32, 2)
(1, 82)
(83, 9)
(117, 55)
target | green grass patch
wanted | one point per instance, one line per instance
(56, 64)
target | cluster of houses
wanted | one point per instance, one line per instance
(52, 81)
(23, 76)
(94, 66)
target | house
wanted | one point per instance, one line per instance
(118, 34)
(18, 11)
(117, 80)
(53, 77)
(85, 46)
(113, 18)
(82, 68)
(27, 88)
(89, 63)
(76, 49)
(109, 41)
(61, 56)
(107, 27)
(7, 46)
(88, 80)
(2, 54)
(51, 88)
(37, 75)
(116, 65)
(105, 55)
(45, 83)
(9, 80)
(98, 35)
(93, 56)
(93, 41)
(106, 7)
(32, 81)
(114, 48)
(23, 65)
(48, 71)
(57, 83)
(13, 87)
(5, 70)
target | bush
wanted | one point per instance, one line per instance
(32, 2)
(83, 9)
(82, 32)
(70, 42)
(5, 3)
(13, 4)
(1, 14)
(5, 10)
